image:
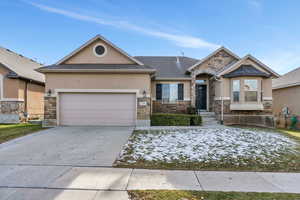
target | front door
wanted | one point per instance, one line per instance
(201, 97)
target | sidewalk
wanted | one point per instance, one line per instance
(61, 181)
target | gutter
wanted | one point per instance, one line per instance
(150, 71)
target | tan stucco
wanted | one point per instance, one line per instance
(87, 56)
(186, 88)
(35, 99)
(98, 81)
(286, 97)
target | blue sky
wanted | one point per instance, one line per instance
(47, 30)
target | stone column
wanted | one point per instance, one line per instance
(50, 118)
(193, 89)
(143, 111)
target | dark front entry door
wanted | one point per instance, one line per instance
(201, 97)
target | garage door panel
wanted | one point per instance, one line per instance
(97, 109)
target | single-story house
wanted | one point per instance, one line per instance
(21, 88)
(100, 84)
(286, 95)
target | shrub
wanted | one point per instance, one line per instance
(191, 110)
(164, 119)
(196, 120)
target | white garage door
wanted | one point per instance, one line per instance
(97, 109)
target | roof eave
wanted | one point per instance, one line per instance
(172, 78)
(150, 71)
(286, 86)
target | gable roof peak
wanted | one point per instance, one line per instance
(222, 48)
(98, 36)
(249, 56)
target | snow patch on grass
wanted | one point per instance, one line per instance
(234, 145)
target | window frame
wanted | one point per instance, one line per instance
(175, 98)
(257, 90)
(242, 96)
(232, 90)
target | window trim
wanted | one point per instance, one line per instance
(257, 90)
(242, 97)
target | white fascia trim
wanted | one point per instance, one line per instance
(245, 106)
(252, 58)
(268, 98)
(172, 79)
(11, 99)
(286, 86)
(212, 54)
(125, 91)
(220, 98)
(91, 41)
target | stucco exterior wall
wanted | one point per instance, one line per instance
(98, 81)
(287, 97)
(87, 56)
(35, 100)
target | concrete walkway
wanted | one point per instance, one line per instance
(67, 182)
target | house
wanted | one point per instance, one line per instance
(286, 94)
(100, 84)
(21, 88)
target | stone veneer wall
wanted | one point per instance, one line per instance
(50, 112)
(215, 63)
(263, 118)
(143, 108)
(143, 111)
(12, 111)
(176, 107)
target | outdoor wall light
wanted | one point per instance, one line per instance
(49, 92)
(144, 94)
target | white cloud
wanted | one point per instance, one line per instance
(283, 61)
(180, 40)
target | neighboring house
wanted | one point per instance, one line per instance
(21, 88)
(100, 84)
(286, 94)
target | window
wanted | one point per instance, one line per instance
(200, 81)
(99, 50)
(251, 88)
(236, 90)
(169, 92)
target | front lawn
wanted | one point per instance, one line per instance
(11, 131)
(199, 195)
(294, 133)
(224, 148)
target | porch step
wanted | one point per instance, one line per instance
(209, 118)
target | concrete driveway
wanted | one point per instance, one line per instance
(74, 146)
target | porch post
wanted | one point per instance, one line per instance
(193, 89)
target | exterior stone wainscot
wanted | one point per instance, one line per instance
(12, 111)
(263, 118)
(50, 118)
(143, 111)
(172, 107)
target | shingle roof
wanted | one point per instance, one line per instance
(20, 66)
(169, 66)
(246, 70)
(291, 78)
